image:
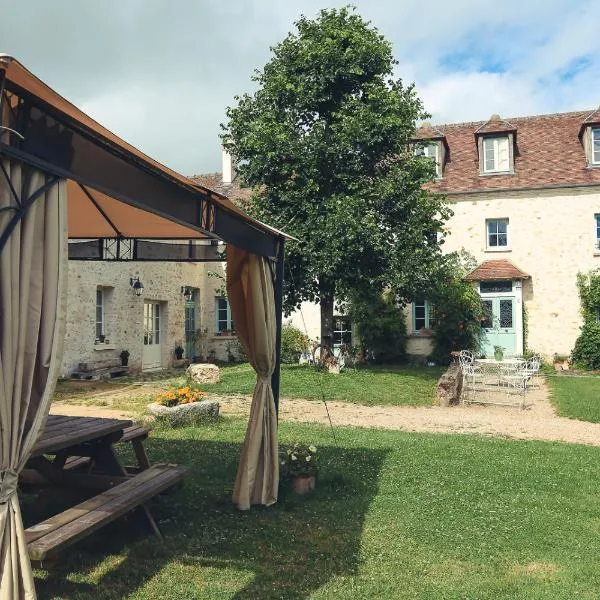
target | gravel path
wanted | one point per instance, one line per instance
(537, 422)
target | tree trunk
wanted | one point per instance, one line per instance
(326, 303)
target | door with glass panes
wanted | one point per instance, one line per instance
(499, 325)
(190, 325)
(151, 356)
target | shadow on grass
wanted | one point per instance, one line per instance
(285, 551)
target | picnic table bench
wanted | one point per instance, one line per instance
(85, 460)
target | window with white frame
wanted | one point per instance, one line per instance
(431, 150)
(100, 314)
(223, 322)
(423, 315)
(597, 243)
(342, 332)
(496, 154)
(596, 146)
(497, 234)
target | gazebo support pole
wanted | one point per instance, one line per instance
(275, 380)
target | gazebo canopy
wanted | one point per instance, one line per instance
(114, 189)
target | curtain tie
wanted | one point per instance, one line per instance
(8, 484)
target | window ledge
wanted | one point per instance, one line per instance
(593, 166)
(496, 173)
(224, 337)
(498, 250)
(415, 335)
(100, 347)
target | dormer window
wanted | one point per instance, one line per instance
(496, 146)
(496, 154)
(431, 150)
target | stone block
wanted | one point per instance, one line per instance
(204, 373)
(449, 388)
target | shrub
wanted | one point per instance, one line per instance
(459, 311)
(294, 343)
(381, 327)
(586, 353)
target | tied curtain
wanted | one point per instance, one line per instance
(33, 274)
(251, 296)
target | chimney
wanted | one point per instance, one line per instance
(228, 168)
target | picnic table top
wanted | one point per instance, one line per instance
(64, 431)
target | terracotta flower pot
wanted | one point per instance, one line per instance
(303, 484)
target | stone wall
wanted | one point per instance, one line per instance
(124, 310)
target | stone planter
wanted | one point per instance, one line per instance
(303, 484)
(180, 363)
(186, 414)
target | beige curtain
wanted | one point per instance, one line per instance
(32, 294)
(251, 297)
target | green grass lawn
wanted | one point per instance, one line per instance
(372, 385)
(576, 397)
(395, 516)
(366, 385)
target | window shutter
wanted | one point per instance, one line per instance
(503, 154)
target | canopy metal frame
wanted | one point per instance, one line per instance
(35, 133)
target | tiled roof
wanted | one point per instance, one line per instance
(548, 153)
(491, 270)
(214, 181)
(428, 132)
(495, 125)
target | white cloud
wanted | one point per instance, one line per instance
(160, 74)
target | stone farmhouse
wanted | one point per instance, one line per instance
(526, 198)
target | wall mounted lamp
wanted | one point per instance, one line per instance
(137, 285)
(186, 292)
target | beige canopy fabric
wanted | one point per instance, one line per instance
(251, 296)
(33, 268)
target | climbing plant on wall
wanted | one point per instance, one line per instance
(586, 353)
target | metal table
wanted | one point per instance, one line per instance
(496, 382)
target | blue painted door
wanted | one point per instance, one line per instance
(499, 326)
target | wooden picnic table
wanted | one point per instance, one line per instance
(78, 453)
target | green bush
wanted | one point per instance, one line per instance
(459, 311)
(381, 326)
(294, 343)
(586, 353)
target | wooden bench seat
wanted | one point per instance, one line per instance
(66, 528)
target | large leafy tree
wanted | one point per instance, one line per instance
(325, 141)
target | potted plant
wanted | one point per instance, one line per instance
(300, 465)
(498, 352)
(178, 352)
(124, 356)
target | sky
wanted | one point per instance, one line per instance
(160, 73)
